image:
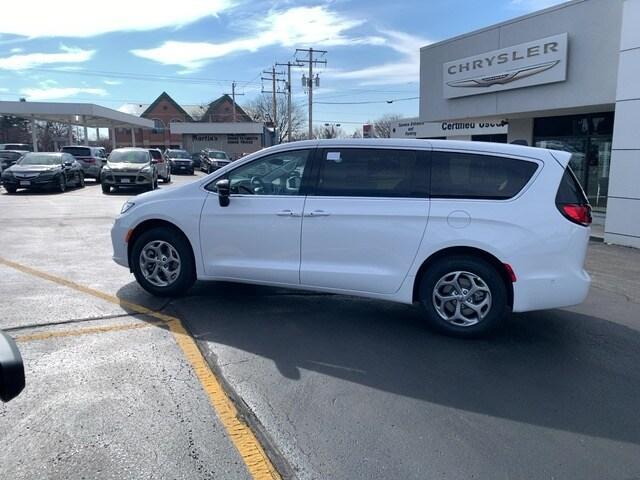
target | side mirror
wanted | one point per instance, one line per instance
(11, 369)
(224, 190)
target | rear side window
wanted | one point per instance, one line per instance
(155, 154)
(476, 176)
(570, 191)
(360, 172)
(77, 151)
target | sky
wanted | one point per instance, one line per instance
(130, 51)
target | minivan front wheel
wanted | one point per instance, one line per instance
(162, 262)
(463, 296)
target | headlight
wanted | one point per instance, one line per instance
(145, 169)
(126, 207)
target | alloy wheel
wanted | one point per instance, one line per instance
(461, 298)
(160, 263)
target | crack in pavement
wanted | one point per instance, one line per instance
(71, 321)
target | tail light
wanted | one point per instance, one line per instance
(577, 213)
(90, 160)
(571, 200)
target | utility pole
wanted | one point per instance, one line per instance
(233, 99)
(289, 65)
(311, 61)
(274, 105)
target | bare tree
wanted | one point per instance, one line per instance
(328, 131)
(14, 129)
(382, 127)
(52, 135)
(357, 133)
(260, 111)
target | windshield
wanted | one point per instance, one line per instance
(10, 155)
(178, 154)
(218, 155)
(40, 159)
(155, 154)
(129, 156)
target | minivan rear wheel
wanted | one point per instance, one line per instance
(463, 296)
(162, 262)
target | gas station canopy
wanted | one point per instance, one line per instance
(85, 114)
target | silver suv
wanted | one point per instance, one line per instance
(91, 159)
(129, 167)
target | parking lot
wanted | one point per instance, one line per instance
(297, 385)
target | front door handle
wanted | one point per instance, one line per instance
(287, 213)
(318, 213)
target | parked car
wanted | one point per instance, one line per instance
(197, 159)
(467, 230)
(163, 167)
(16, 146)
(91, 159)
(180, 160)
(212, 160)
(42, 170)
(129, 167)
(10, 157)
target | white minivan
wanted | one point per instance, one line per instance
(468, 230)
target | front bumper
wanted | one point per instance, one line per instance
(127, 179)
(119, 243)
(33, 182)
(177, 167)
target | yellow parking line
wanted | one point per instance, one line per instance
(80, 331)
(255, 458)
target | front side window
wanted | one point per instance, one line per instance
(277, 174)
(478, 176)
(363, 172)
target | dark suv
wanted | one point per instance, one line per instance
(212, 160)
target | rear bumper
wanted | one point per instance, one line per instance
(91, 170)
(558, 291)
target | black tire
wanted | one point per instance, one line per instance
(62, 184)
(10, 190)
(80, 180)
(106, 189)
(98, 179)
(487, 273)
(167, 179)
(187, 275)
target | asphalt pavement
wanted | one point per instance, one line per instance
(333, 386)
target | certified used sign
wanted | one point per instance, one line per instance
(533, 63)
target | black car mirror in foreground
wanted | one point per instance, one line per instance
(224, 190)
(11, 368)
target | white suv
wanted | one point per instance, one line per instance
(468, 230)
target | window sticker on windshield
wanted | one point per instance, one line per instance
(334, 157)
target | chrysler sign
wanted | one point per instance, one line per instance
(533, 63)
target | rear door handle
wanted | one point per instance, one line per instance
(287, 213)
(318, 213)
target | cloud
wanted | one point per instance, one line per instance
(4, 89)
(32, 60)
(114, 16)
(56, 93)
(406, 70)
(296, 26)
(17, 50)
(112, 82)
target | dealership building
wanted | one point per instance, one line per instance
(567, 77)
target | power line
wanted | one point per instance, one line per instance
(142, 76)
(368, 102)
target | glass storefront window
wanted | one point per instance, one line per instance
(588, 137)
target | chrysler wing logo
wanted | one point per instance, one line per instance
(506, 77)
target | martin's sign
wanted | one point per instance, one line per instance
(533, 63)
